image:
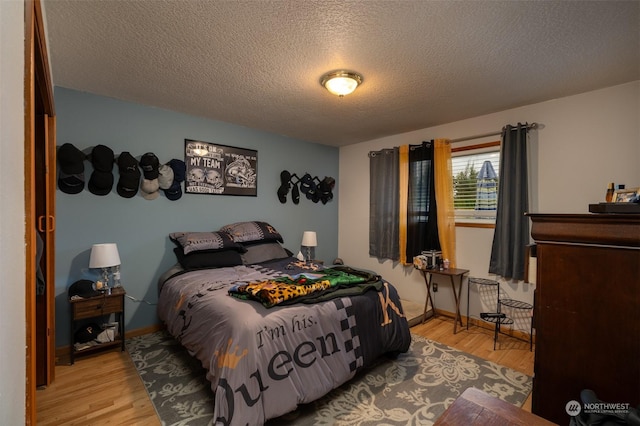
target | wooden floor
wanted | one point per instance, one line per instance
(105, 388)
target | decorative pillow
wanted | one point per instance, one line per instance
(198, 241)
(243, 232)
(263, 252)
(208, 258)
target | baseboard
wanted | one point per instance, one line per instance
(63, 356)
(477, 322)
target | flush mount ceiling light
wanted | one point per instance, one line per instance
(341, 83)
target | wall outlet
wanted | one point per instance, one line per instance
(435, 287)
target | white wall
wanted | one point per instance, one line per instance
(585, 142)
(12, 249)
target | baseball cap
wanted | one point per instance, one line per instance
(179, 169)
(129, 175)
(150, 165)
(149, 188)
(101, 181)
(174, 192)
(165, 177)
(71, 171)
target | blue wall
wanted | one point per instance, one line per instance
(140, 227)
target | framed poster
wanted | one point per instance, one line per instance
(220, 169)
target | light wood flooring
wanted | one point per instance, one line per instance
(105, 388)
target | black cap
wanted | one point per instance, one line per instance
(100, 183)
(129, 175)
(83, 288)
(102, 158)
(70, 159)
(150, 166)
(71, 173)
(101, 180)
(87, 333)
(70, 184)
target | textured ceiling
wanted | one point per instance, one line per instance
(258, 63)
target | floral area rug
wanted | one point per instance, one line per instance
(415, 388)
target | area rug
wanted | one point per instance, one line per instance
(414, 388)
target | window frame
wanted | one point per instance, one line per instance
(479, 149)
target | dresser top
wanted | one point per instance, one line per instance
(600, 229)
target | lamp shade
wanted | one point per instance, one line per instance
(104, 255)
(309, 239)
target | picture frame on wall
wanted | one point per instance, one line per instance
(220, 169)
(626, 195)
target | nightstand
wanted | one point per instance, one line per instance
(93, 307)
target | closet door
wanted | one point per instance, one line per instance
(45, 185)
(40, 185)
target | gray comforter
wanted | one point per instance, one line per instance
(263, 362)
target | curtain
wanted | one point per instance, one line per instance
(512, 227)
(383, 204)
(403, 195)
(444, 200)
(422, 221)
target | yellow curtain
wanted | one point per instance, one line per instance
(444, 200)
(403, 199)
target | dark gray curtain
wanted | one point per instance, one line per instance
(512, 227)
(422, 221)
(383, 204)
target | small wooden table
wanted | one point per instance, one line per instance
(94, 307)
(475, 407)
(451, 273)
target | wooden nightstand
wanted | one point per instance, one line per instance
(93, 307)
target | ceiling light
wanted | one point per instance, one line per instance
(341, 83)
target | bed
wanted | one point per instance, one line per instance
(273, 331)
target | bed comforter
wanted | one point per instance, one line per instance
(262, 362)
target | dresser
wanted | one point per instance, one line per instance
(587, 310)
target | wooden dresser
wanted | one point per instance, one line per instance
(587, 310)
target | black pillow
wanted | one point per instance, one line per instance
(208, 258)
(263, 252)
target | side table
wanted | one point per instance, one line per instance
(92, 307)
(451, 273)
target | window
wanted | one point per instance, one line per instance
(475, 172)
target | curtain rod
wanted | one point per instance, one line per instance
(486, 135)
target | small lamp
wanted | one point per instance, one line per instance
(309, 239)
(104, 256)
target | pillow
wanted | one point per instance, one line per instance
(243, 232)
(197, 241)
(263, 252)
(208, 258)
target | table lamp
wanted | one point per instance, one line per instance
(104, 256)
(309, 240)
